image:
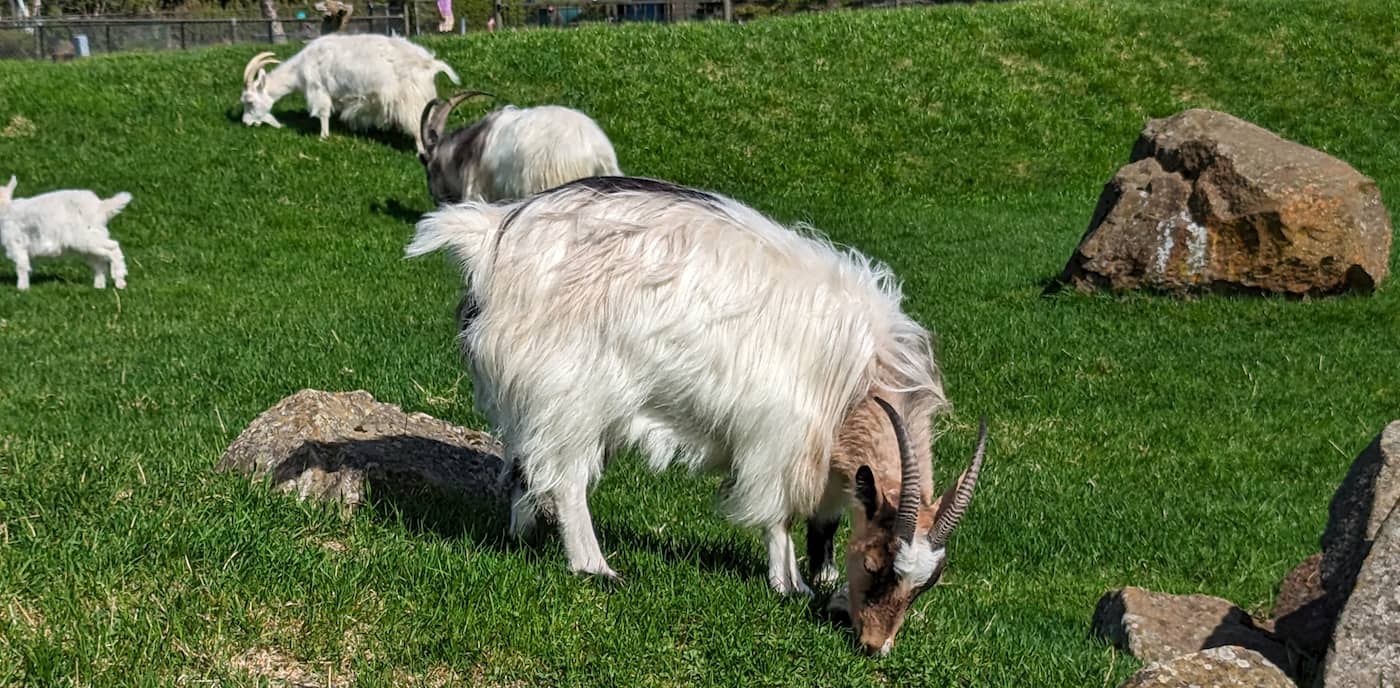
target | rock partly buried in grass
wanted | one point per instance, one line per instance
(1156, 627)
(336, 447)
(1228, 665)
(1211, 202)
(1365, 649)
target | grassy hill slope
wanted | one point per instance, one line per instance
(1186, 447)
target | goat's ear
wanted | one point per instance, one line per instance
(7, 191)
(260, 79)
(865, 491)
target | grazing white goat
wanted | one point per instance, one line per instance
(510, 153)
(617, 312)
(58, 223)
(371, 80)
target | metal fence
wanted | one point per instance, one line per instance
(566, 13)
(551, 13)
(68, 37)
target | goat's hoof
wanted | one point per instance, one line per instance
(791, 589)
(607, 579)
(826, 577)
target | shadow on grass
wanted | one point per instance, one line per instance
(427, 484)
(1357, 284)
(729, 557)
(392, 207)
(8, 279)
(453, 491)
(303, 123)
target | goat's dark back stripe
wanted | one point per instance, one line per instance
(608, 185)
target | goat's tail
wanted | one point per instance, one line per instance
(112, 206)
(465, 229)
(447, 69)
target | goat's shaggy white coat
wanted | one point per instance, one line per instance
(373, 81)
(58, 223)
(683, 323)
(519, 152)
(529, 150)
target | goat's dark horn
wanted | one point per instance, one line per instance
(910, 493)
(434, 118)
(953, 508)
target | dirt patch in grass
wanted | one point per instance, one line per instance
(19, 127)
(284, 670)
(23, 616)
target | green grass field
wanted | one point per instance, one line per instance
(1181, 446)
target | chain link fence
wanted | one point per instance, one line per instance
(69, 37)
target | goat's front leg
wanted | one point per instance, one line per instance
(320, 106)
(783, 575)
(821, 544)
(99, 271)
(576, 527)
(118, 264)
(21, 269)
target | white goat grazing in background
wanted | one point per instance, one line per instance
(510, 153)
(371, 80)
(616, 312)
(59, 223)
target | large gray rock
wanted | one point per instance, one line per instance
(1211, 202)
(1363, 500)
(1312, 596)
(1366, 643)
(334, 447)
(1156, 627)
(1218, 666)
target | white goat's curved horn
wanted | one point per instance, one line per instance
(258, 61)
(955, 506)
(434, 118)
(910, 492)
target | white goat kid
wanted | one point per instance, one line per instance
(510, 153)
(373, 81)
(616, 312)
(58, 223)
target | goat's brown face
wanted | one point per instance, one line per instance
(882, 585)
(898, 550)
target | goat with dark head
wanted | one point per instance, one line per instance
(510, 153)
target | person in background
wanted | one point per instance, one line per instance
(445, 9)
